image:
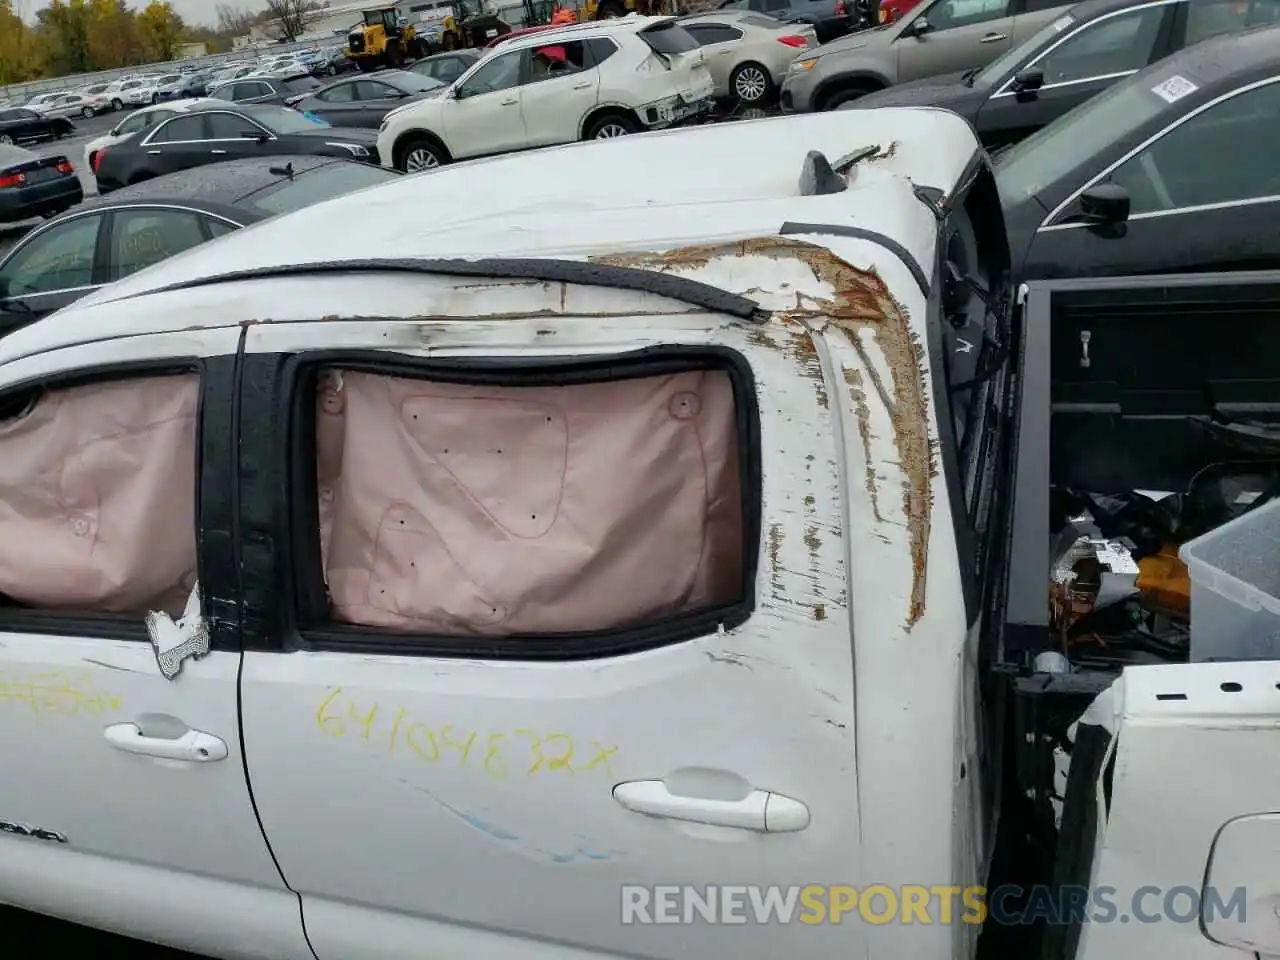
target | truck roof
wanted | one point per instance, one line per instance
(651, 191)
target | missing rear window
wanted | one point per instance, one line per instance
(466, 510)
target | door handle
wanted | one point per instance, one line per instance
(582, 86)
(193, 746)
(154, 152)
(993, 37)
(760, 810)
(219, 152)
(510, 103)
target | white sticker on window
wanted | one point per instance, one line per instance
(1062, 23)
(1174, 89)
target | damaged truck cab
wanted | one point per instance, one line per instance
(646, 556)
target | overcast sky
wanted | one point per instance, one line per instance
(197, 12)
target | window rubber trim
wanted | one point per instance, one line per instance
(305, 621)
(858, 233)
(549, 270)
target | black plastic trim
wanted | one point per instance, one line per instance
(279, 389)
(838, 230)
(124, 626)
(692, 292)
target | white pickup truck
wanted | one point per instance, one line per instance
(380, 590)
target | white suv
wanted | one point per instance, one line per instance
(580, 82)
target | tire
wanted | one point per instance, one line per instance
(750, 83)
(840, 97)
(395, 57)
(421, 153)
(610, 125)
(155, 98)
(140, 177)
(87, 113)
(117, 104)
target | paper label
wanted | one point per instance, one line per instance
(1174, 89)
(1062, 23)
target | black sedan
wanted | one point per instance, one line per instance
(363, 101)
(267, 90)
(105, 240)
(1073, 58)
(1172, 169)
(213, 132)
(20, 125)
(34, 186)
(446, 67)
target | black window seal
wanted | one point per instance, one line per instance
(693, 292)
(286, 505)
(791, 228)
(132, 626)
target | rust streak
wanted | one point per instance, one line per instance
(775, 547)
(819, 611)
(760, 338)
(803, 351)
(860, 300)
(862, 413)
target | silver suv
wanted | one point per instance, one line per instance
(935, 37)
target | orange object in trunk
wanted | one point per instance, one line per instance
(1163, 578)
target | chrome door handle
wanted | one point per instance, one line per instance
(993, 37)
(582, 86)
(221, 152)
(153, 152)
(510, 103)
(760, 810)
(193, 746)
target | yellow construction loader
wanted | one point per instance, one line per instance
(384, 39)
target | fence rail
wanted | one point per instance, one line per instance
(18, 92)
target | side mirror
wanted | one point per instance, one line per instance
(1104, 203)
(257, 135)
(918, 27)
(1028, 81)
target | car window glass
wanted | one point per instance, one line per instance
(447, 69)
(229, 126)
(1115, 45)
(772, 6)
(1015, 57)
(179, 129)
(706, 33)
(1223, 154)
(258, 89)
(302, 84)
(371, 90)
(143, 237)
(1210, 18)
(602, 48)
(557, 59)
(500, 73)
(321, 183)
(342, 93)
(140, 121)
(963, 13)
(218, 228)
(58, 259)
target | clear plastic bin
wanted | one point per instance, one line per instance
(1235, 588)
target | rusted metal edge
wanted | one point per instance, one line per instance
(839, 230)
(693, 292)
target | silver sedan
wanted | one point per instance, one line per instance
(748, 53)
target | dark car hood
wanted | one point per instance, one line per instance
(365, 138)
(948, 91)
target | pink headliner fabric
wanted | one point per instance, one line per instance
(97, 497)
(491, 511)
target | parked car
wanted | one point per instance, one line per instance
(939, 37)
(20, 125)
(170, 86)
(106, 239)
(263, 89)
(748, 53)
(607, 78)
(131, 92)
(364, 101)
(830, 19)
(35, 186)
(337, 61)
(445, 67)
(213, 132)
(196, 83)
(97, 90)
(1171, 169)
(137, 121)
(75, 105)
(1083, 52)
(41, 100)
(227, 75)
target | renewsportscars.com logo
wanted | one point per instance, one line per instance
(879, 904)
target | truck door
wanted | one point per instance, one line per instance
(124, 803)
(555, 627)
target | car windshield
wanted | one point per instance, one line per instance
(416, 83)
(322, 183)
(283, 120)
(1023, 52)
(1044, 157)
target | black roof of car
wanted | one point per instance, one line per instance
(1221, 60)
(216, 185)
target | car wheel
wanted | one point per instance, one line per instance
(750, 83)
(840, 97)
(117, 105)
(609, 126)
(155, 98)
(421, 154)
(87, 113)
